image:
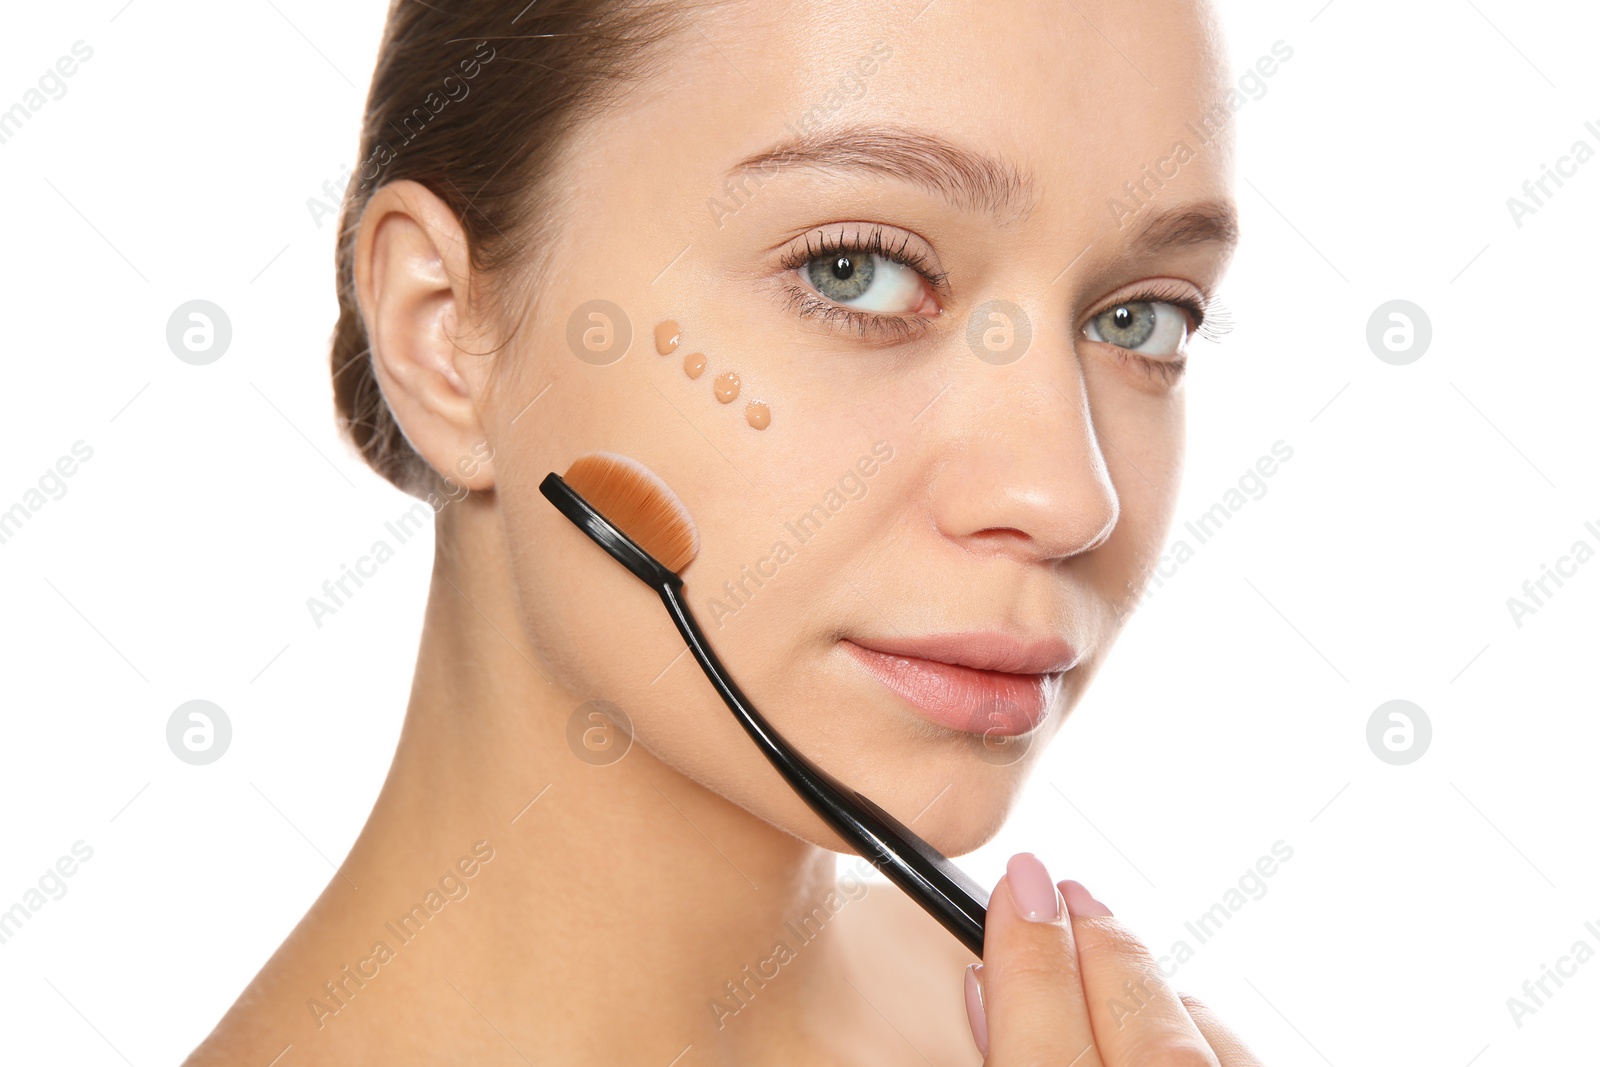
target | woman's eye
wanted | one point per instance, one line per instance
(866, 281)
(1149, 327)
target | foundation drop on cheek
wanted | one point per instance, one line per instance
(667, 335)
(725, 386)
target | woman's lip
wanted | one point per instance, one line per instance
(981, 649)
(968, 699)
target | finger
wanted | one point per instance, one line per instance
(1032, 1000)
(1228, 1046)
(1136, 1016)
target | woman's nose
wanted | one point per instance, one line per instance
(1022, 470)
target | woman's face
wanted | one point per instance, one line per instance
(976, 419)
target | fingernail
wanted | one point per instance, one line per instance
(1079, 902)
(975, 1017)
(1032, 891)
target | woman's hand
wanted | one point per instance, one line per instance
(1063, 982)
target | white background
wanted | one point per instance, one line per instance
(1233, 714)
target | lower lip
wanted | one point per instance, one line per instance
(963, 698)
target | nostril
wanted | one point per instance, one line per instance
(1001, 533)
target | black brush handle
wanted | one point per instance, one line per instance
(926, 875)
(943, 890)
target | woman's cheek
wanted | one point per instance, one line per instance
(1141, 436)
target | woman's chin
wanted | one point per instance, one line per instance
(956, 814)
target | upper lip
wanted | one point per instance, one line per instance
(981, 650)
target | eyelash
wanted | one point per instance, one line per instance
(1211, 321)
(810, 303)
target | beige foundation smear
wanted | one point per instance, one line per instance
(667, 336)
(726, 386)
(694, 364)
(758, 414)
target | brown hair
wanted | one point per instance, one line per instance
(478, 101)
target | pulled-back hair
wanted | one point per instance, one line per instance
(478, 100)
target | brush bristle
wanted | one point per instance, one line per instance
(638, 503)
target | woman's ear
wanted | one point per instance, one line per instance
(412, 274)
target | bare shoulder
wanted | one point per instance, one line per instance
(912, 970)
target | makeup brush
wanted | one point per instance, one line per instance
(632, 514)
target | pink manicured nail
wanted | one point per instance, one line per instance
(975, 1017)
(1032, 891)
(1079, 902)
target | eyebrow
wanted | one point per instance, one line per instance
(971, 180)
(1206, 222)
(968, 179)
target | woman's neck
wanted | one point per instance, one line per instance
(612, 913)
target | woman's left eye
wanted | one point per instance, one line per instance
(1154, 328)
(866, 281)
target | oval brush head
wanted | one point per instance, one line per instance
(637, 502)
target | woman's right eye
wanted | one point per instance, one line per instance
(865, 278)
(867, 281)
